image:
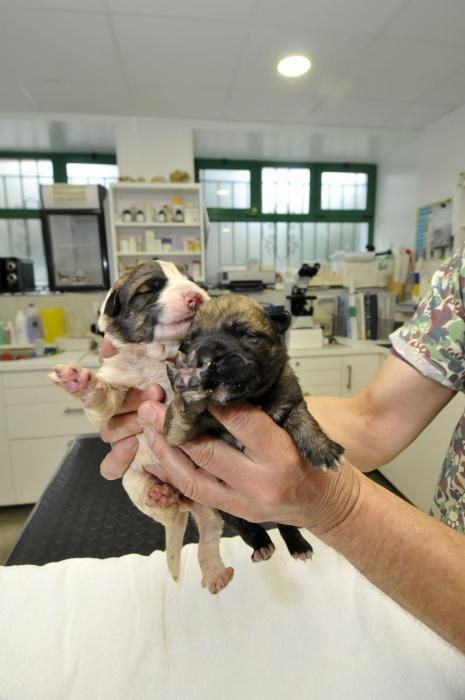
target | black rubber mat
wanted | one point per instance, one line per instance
(81, 514)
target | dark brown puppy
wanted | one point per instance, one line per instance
(234, 352)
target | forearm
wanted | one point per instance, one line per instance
(416, 560)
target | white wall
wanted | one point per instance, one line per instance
(422, 172)
(148, 147)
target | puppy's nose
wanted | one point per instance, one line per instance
(193, 301)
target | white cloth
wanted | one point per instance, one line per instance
(121, 629)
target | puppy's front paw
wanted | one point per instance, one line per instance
(324, 453)
(188, 376)
(73, 378)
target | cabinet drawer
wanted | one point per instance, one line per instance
(319, 377)
(34, 462)
(35, 394)
(312, 364)
(52, 420)
(26, 379)
(322, 390)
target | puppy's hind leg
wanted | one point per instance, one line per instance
(253, 534)
(215, 576)
(296, 543)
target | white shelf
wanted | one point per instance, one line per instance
(165, 255)
(151, 224)
(123, 193)
(154, 186)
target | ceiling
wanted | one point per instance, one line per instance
(377, 64)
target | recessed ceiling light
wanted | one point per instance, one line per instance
(293, 66)
(222, 193)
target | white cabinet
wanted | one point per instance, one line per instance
(37, 423)
(318, 375)
(357, 370)
(159, 220)
(334, 373)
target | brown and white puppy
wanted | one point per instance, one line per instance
(234, 352)
(146, 314)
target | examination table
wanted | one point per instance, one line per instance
(88, 610)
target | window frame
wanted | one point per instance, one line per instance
(59, 161)
(316, 213)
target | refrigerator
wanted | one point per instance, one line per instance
(73, 225)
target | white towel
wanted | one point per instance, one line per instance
(121, 629)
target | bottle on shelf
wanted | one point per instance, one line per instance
(34, 328)
(21, 328)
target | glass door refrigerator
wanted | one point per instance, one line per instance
(73, 224)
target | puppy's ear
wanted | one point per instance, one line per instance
(113, 306)
(280, 320)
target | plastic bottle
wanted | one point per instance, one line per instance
(21, 328)
(34, 328)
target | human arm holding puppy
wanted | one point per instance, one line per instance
(413, 558)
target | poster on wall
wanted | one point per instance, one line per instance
(434, 229)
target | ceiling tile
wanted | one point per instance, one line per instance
(270, 106)
(57, 5)
(239, 10)
(47, 45)
(263, 50)
(330, 18)
(338, 111)
(78, 97)
(430, 20)
(418, 115)
(394, 69)
(170, 101)
(180, 53)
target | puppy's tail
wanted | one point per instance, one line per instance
(174, 538)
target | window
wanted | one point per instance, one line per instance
(293, 212)
(226, 189)
(279, 245)
(91, 173)
(344, 190)
(20, 178)
(285, 190)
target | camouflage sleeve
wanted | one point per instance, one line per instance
(433, 341)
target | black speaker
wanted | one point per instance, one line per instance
(16, 275)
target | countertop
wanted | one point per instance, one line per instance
(86, 358)
(89, 358)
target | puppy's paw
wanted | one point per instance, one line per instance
(73, 378)
(304, 553)
(188, 377)
(161, 496)
(325, 453)
(217, 579)
(263, 553)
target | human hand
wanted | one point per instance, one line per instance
(268, 481)
(121, 431)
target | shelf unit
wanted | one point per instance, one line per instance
(182, 242)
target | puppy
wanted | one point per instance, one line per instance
(146, 314)
(234, 352)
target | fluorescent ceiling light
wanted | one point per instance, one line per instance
(293, 66)
(222, 193)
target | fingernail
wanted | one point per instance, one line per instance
(147, 412)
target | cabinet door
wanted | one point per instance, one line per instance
(357, 370)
